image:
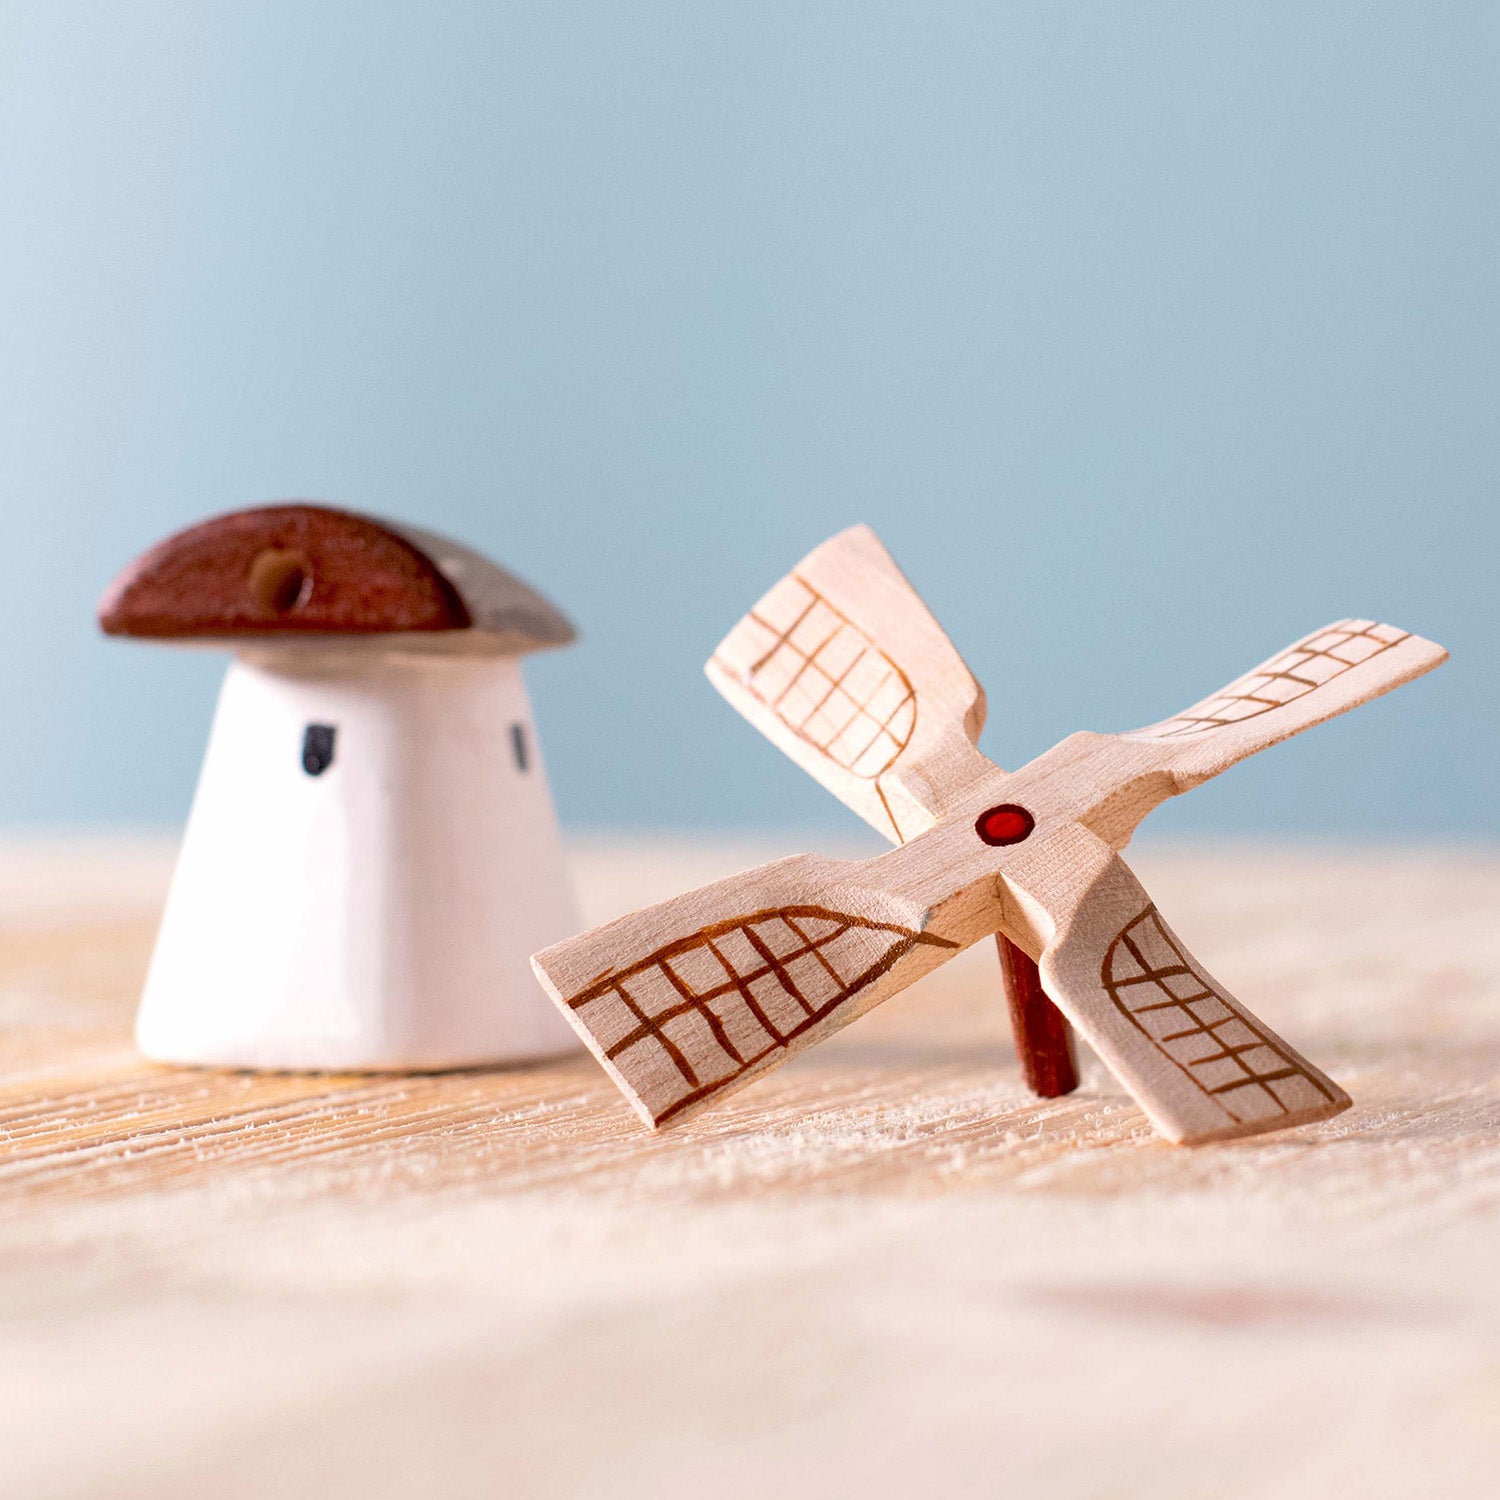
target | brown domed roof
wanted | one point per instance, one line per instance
(296, 571)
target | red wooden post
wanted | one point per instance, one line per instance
(1044, 1040)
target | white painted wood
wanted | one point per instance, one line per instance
(842, 666)
(378, 914)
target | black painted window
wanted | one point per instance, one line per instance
(317, 748)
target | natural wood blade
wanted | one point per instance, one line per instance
(1201, 1066)
(1322, 675)
(843, 667)
(1114, 780)
(687, 1001)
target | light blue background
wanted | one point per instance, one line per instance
(1149, 336)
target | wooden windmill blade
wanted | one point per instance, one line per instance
(1315, 679)
(1201, 1066)
(843, 666)
(689, 1000)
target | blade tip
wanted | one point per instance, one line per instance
(1246, 1129)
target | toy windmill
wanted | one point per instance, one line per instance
(842, 666)
(372, 852)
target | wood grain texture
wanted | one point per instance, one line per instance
(885, 1269)
(281, 569)
(843, 667)
(299, 570)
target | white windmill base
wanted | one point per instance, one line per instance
(378, 914)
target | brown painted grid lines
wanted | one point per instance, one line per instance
(823, 677)
(690, 1018)
(1211, 1040)
(1297, 671)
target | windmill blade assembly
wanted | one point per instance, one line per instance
(843, 667)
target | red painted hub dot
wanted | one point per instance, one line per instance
(1006, 824)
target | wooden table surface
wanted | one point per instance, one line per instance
(883, 1271)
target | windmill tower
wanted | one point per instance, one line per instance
(372, 851)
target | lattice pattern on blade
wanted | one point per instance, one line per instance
(692, 1017)
(1297, 671)
(1215, 1044)
(823, 677)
